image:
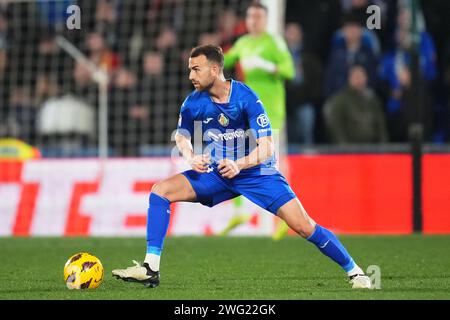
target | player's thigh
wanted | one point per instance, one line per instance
(269, 191)
(296, 217)
(209, 187)
(175, 188)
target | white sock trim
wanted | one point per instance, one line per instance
(153, 261)
(356, 270)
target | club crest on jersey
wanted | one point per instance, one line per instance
(223, 120)
(262, 120)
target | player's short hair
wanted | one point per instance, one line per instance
(211, 52)
(257, 4)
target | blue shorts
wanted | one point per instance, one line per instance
(270, 192)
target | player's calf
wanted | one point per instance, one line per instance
(296, 218)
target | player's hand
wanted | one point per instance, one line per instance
(228, 168)
(257, 62)
(200, 163)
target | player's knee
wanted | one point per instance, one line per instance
(304, 229)
(161, 189)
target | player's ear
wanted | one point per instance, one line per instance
(215, 69)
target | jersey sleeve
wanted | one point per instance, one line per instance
(185, 125)
(257, 118)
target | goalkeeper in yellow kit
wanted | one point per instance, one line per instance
(266, 63)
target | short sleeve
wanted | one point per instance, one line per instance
(257, 118)
(185, 125)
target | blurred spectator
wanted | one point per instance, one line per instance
(395, 72)
(47, 45)
(166, 44)
(377, 39)
(3, 74)
(81, 74)
(446, 84)
(51, 61)
(129, 121)
(21, 121)
(53, 13)
(319, 19)
(83, 84)
(170, 12)
(166, 40)
(153, 64)
(229, 27)
(106, 21)
(348, 53)
(303, 93)
(369, 38)
(209, 38)
(3, 61)
(3, 31)
(66, 122)
(355, 113)
(3, 43)
(359, 7)
(101, 53)
(156, 92)
(105, 15)
(46, 88)
(4, 85)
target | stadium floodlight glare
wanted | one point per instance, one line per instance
(101, 78)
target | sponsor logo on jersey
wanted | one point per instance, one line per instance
(262, 120)
(223, 120)
(238, 134)
(207, 120)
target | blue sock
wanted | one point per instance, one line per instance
(330, 246)
(158, 217)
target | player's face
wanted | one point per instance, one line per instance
(202, 72)
(256, 20)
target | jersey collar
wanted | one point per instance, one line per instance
(229, 94)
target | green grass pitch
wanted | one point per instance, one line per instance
(412, 267)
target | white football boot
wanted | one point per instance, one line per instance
(360, 281)
(138, 273)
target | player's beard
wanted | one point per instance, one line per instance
(206, 87)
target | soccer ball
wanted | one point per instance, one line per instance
(83, 271)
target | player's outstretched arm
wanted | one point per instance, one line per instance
(263, 151)
(198, 163)
(229, 168)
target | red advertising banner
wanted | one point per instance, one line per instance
(436, 194)
(356, 194)
(349, 194)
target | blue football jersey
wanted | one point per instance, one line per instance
(227, 130)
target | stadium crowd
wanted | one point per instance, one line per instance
(352, 84)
